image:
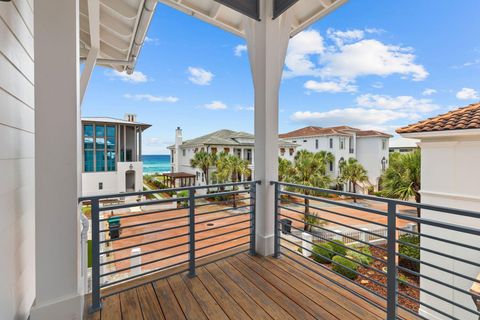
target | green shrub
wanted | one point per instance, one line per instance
(322, 252)
(409, 251)
(337, 246)
(343, 266)
(182, 194)
(359, 257)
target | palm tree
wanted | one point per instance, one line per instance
(309, 170)
(353, 172)
(285, 168)
(401, 180)
(230, 168)
(203, 161)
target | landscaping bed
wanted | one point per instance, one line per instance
(362, 269)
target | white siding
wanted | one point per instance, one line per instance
(17, 227)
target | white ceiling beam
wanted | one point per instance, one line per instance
(121, 8)
(318, 15)
(178, 5)
(94, 22)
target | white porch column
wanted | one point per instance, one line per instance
(267, 42)
(57, 165)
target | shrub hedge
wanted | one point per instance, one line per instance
(343, 266)
(409, 251)
(322, 253)
(359, 257)
(338, 247)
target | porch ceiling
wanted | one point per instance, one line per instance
(305, 12)
(117, 27)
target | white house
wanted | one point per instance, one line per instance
(236, 143)
(369, 147)
(112, 155)
(403, 145)
(450, 146)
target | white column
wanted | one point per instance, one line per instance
(57, 165)
(267, 42)
(140, 144)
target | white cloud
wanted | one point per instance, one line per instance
(244, 108)
(429, 92)
(200, 76)
(156, 141)
(349, 56)
(151, 98)
(215, 105)
(342, 37)
(301, 48)
(154, 41)
(329, 86)
(360, 117)
(467, 94)
(400, 103)
(377, 85)
(240, 49)
(135, 77)
(371, 57)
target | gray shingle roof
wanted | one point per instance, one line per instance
(227, 138)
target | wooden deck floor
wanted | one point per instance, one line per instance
(242, 287)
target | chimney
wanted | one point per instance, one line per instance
(130, 117)
(178, 143)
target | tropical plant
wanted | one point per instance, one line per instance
(401, 180)
(229, 169)
(203, 161)
(353, 173)
(309, 170)
(285, 168)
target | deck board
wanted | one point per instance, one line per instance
(242, 287)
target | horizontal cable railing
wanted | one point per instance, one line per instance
(133, 236)
(408, 259)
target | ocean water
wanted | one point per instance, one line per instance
(156, 163)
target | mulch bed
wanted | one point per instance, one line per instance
(380, 278)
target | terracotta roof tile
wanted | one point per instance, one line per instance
(463, 118)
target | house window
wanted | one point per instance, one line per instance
(384, 144)
(226, 150)
(100, 186)
(184, 152)
(88, 148)
(294, 141)
(316, 143)
(172, 156)
(384, 164)
(342, 143)
(282, 151)
(331, 165)
(196, 150)
(340, 164)
(214, 150)
(331, 143)
(290, 151)
(304, 140)
(350, 145)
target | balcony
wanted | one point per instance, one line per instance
(193, 256)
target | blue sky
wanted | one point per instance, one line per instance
(370, 64)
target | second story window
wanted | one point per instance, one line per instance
(99, 148)
(290, 151)
(342, 143)
(331, 143)
(214, 150)
(330, 166)
(282, 151)
(184, 152)
(316, 143)
(350, 145)
(384, 144)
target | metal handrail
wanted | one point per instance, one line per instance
(187, 221)
(392, 253)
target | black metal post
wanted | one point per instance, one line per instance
(276, 253)
(391, 262)
(191, 206)
(253, 230)
(95, 212)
